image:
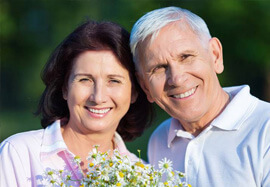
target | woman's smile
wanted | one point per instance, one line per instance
(98, 112)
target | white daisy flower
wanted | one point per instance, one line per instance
(118, 170)
(165, 165)
(77, 159)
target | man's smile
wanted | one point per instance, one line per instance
(185, 94)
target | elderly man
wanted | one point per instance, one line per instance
(217, 136)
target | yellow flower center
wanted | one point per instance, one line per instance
(121, 174)
(91, 164)
(140, 164)
(166, 165)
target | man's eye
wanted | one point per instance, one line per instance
(84, 79)
(159, 68)
(185, 56)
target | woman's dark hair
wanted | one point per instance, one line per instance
(92, 36)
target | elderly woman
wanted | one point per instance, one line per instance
(91, 98)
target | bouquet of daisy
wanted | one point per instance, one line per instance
(117, 170)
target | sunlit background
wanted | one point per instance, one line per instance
(31, 29)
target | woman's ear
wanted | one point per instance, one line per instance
(215, 49)
(134, 95)
(144, 87)
(64, 92)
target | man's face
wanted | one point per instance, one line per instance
(179, 73)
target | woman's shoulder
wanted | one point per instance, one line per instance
(24, 139)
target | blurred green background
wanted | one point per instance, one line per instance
(31, 29)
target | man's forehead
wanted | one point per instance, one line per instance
(151, 48)
(169, 42)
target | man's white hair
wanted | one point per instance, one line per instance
(151, 23)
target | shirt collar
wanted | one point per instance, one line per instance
(176, 129)
(119, 144)
(239, 108)
(53, 141)
(232, 118)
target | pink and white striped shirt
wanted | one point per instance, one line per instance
(24, 157)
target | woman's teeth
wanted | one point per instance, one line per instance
(99, 111)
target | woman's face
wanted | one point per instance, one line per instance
(98, 92)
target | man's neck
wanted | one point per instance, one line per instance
(196, 127)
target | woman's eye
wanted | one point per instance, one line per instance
(86, 80)
(115, 81)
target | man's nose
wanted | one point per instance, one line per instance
(176, 76)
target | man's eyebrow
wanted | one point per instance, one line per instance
(187, 52)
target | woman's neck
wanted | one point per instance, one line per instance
(81, 144)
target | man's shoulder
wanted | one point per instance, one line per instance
(165, 125)
(264, 105)
(243, 99)
(262, 111)
(162, 130)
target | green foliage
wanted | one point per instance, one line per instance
(30, 30)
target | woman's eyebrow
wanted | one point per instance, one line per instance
(90, 75)
(116, 75)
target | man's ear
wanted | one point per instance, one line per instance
(144, 87)
(215, 49)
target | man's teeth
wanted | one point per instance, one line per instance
(186, 94)
(102, 111)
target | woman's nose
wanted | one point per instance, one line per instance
(98, 95)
